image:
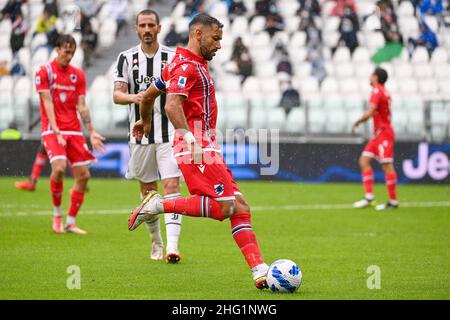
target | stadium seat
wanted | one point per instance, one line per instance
(405, 8)
(297, 54)
(392, 86)
(330, 39)
(261, 40)
(295, 121)
(348, 86)
(276, 119)
(353, 103)
(429, 88)
(302, 70)
(291, 24)
(298, 39)
(229, 84)
(234, 101)
(337, 121)
(442, 71)
(6, 85)
(317, 119)
(439, 57)
(361, 55)
(329, 86)
(400, 120)
(6, 111)
(408, 86)
(364, 70)
(439, 124)
(331, 24)
(239, 26)
(219, 10)
(343, 69)
(258, 24)
(258, 118)
(420, 55)
(374, 40)
(408, 25)
(423, 70)
(403, 70)
(266, 70)
(309, 86)
(260, 54)
(288, 8)
(107, 34)
(372, 23)
(333, 102)
(251, 86)
(268, 87)
(444, 88)
(236, 118)
(280, 37)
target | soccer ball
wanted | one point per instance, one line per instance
(284, 276)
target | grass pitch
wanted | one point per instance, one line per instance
(311, 224)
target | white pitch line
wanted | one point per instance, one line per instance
(32, 211)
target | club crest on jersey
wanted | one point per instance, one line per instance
(219, 189)
(181, 82)
(73, 77)
(63, 96)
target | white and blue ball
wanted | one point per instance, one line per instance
(284, 276)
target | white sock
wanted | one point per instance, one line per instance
(70, 220)
(153, 228)
(369, 196)
(173, 226)
(260, 270)
(57, 212)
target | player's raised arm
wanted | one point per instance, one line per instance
(50, 112)
(95, 138)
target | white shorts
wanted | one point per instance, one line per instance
(151, 162)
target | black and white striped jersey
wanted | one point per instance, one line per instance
(138, 70)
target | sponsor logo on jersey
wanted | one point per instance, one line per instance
(146, 80)
(181, 82)
(73, 78)
(184, 67)
(201, 167)
(219, 189)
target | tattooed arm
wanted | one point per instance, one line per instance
(95, 138)
(121, 95)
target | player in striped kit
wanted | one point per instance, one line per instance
(151, 158)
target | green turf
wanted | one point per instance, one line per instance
(334, 247)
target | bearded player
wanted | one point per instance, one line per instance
(192, 108)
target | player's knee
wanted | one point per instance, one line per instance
(228, 208)
(58, 170)
(241, 205)
(83, 176)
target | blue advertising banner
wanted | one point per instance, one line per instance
(299, 162)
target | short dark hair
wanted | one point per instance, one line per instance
(381, 74)
(64, 39)
(204, 20)
(148, 12)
